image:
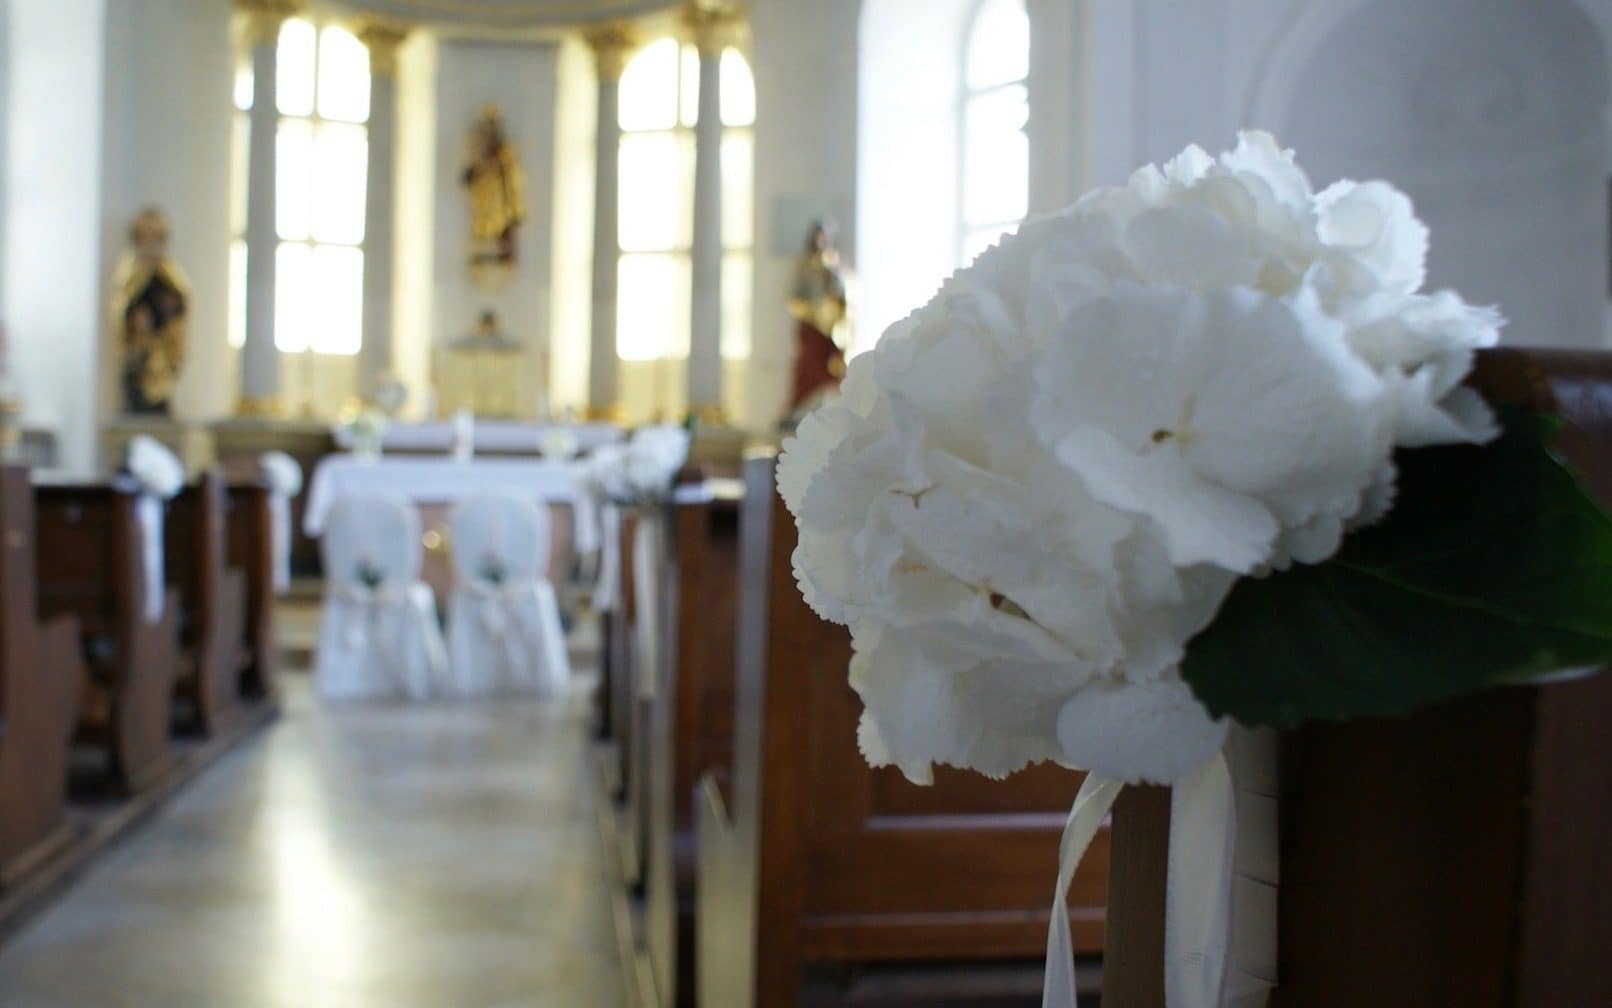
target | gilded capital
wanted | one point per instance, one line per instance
(612, 43)
(263, 18)
(382, 39)
(714, 24)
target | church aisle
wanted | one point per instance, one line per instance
(391, 857)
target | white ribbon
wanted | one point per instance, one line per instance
(370, 606)
(607, 588)
(280, 539)
(646, 552)
(1220, 892)
(148, 511)
(497, 610)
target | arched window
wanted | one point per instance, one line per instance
(994, 167)
(322, 154)
(659, 107)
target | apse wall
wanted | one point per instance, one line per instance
(520, 78)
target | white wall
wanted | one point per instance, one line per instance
(576, 117)
(53, 281)
(413, 323)
(169, 70)
(805, 61)
(520, 78)
(1490, 113)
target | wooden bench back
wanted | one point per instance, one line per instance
(88, 561)
(195, 547)
(18, 602)
(249, 546)
(857, 864)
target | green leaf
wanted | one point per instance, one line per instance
(1494, 564)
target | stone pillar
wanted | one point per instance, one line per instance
(713, 28)
(260, 361)
(612, 44)
(380, 203)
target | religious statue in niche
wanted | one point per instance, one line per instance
(492, 176)
(151, 310)
(819, 307)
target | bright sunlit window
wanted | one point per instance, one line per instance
(322, 155)
(659, 107)
(995, 188)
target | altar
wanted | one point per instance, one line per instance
(489, 437)
(435, 483)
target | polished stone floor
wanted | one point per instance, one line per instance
(383, 857)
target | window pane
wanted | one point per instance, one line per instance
(738, 90)
(294, 68)
(336, 292)
(688, 90)
(237, 293)
(293, 177)
(648, 92)
(738, 173)
(999, 44)
(339, 180)
(240, 133)
(996, 160)
(652, 309)
(243, 86)
(343, 76)
(292, 305)
(655, 192)
(736, 305)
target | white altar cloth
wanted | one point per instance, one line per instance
(503, 436)
(434, 480)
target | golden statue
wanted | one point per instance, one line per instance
(492, 176)
(819, 308)
(151, 309)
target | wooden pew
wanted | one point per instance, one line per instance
(212, 603)
(250, 548)
(1459, 856)
(89, 566)
(41, 677)
(690, 724)
(811, 860)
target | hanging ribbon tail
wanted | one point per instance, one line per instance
(1220, 923)
(280, 539)
(1092, 802)
(148, 510)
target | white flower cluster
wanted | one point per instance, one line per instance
(154, 466)
(640, 469)
(1038, 487)
(281, 473)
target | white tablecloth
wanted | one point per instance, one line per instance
(509, 436)
(432, 480)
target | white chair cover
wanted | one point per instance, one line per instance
(382, 640)
(504, 632)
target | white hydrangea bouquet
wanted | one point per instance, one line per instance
(641, 469)
(1130, 479)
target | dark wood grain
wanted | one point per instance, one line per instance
(843, 863)
(89, 567)
(41, 677)
(251, 549)
(211, 594)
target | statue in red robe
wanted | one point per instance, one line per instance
(818, 306)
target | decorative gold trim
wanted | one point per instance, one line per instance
(714, 25)
(612, 43)
(709, 415)
(382, 39)
(260, 406)
(613, 413)
(264, 17)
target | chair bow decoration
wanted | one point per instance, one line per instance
(1138, 475)
(160, 476)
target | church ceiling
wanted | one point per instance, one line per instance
(509, 13)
